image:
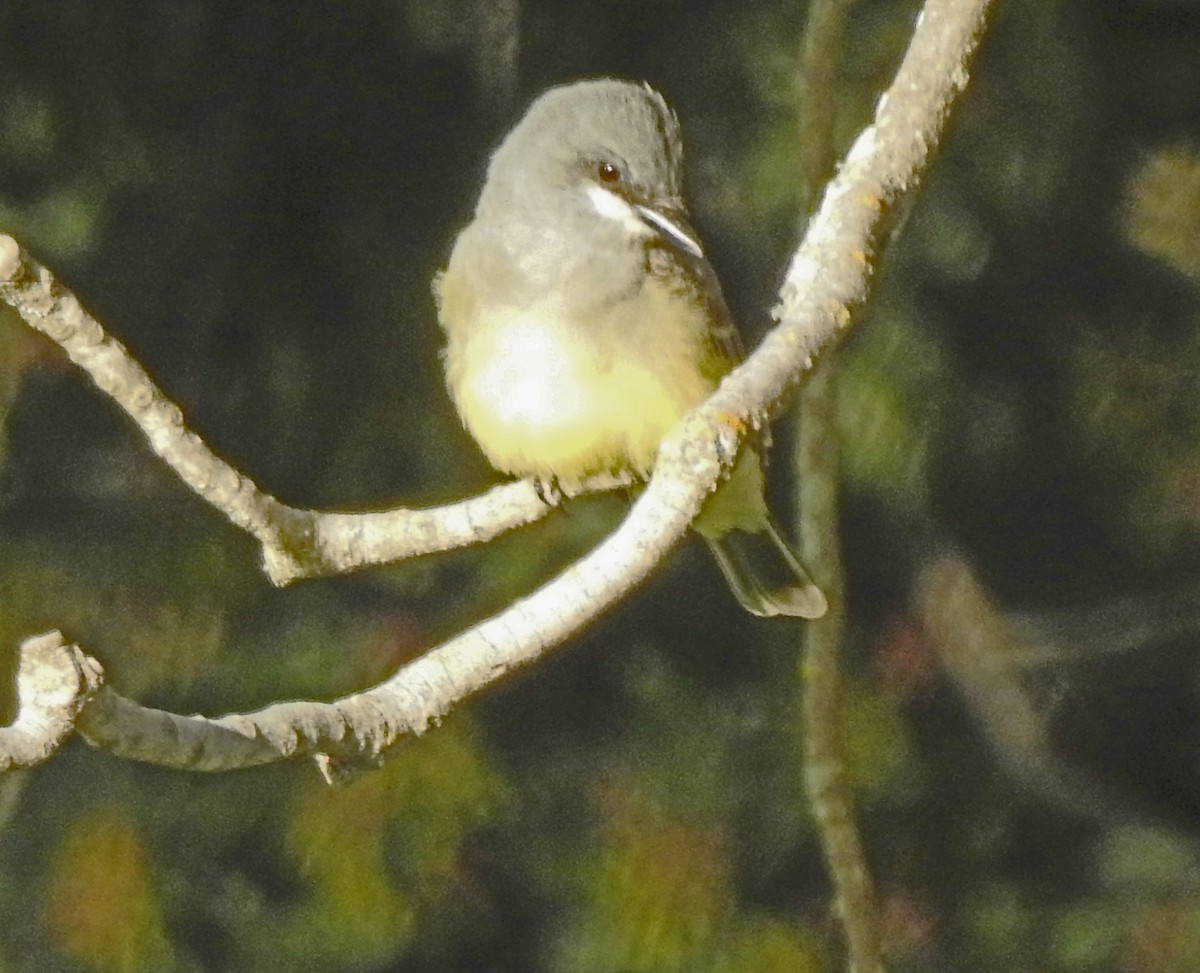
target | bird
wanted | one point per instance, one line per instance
(583, 320)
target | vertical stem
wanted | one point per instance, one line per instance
(824, 762)
(816, 83)
(816, 460)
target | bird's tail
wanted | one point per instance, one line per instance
(766, 576)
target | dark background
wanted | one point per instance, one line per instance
(254, 197)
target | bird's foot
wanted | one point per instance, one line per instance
(731, 429)
(548, 489)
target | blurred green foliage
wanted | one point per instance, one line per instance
(100, 899)
(254, 198)
(1163, 215)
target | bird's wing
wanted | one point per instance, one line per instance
(723, 348)
(693, 274)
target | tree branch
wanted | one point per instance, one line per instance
(55, 683)
(296, 543)
(827, 281)
(936, 65)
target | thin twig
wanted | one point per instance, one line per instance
(817, 455)
(984, 653)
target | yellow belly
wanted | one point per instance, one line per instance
(542, 400)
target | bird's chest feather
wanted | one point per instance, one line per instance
(544, 396)
(530, 372)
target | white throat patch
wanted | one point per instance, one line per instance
(613, 207)
(640, 221)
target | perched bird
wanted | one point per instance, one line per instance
(583, 320)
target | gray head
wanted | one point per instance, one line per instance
(593, 148)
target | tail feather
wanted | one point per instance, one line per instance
(764, 574)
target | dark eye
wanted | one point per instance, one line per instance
(608, 172)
